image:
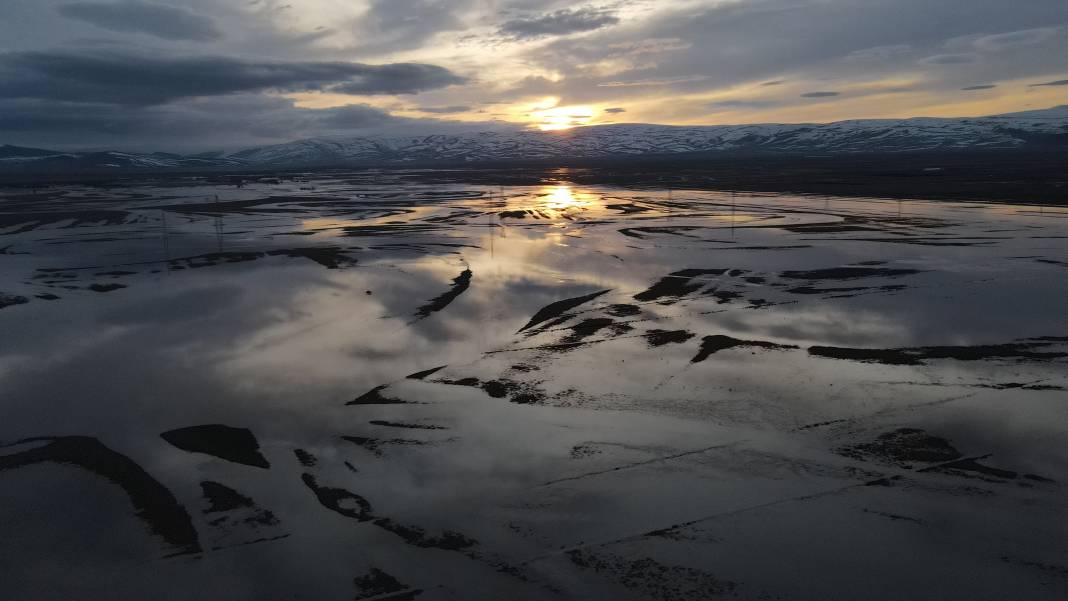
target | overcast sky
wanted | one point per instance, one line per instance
(194, 75)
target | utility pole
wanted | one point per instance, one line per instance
(166, 242)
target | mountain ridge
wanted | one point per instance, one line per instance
(1026, 129)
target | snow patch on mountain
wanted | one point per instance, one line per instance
(1045, 128)
(873, 135)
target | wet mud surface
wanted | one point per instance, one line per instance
(460, 284)
(377, 583)
(152, 501)
(404, 385)
(232, 444)
(905, 446)
(1021, 351)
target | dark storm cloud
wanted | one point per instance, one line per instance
(880, 53)
(444, 110)
(134, 16)
(820, 94)
(1012, 39)
(731, 43)
(353, 116)
(18, 116)
(742, 104)
(561, 22)
(393, 25)
(398, 78)
(143, 80)
(223, 122)
(185, 127)
(949, 59)
(1060, 82)
(982, 87)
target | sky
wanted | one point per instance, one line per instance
(202, 75)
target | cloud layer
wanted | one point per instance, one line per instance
(122, 78)
(561, 22)
(134, 16)
(125, 72)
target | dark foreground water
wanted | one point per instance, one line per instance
(362, 386)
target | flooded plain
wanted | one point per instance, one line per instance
(366, 386)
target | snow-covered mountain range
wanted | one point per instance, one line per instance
(14, 157)
(1043, 128)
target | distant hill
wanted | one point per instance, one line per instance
(18, 158)
(1025, 130)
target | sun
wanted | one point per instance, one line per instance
(546, 114)
(562, 117)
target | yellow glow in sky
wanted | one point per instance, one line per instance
(546, 114)
(888, 98)
(562, 117)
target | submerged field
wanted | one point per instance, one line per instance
(367, 386)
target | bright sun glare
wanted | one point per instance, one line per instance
(563, 198)
(562, 117)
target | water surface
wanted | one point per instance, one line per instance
(363, 385)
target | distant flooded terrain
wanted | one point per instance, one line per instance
(369, 385)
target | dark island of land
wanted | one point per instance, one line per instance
(1020, 176)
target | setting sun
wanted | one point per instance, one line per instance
(562, 117)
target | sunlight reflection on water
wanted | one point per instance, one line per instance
(528, 439)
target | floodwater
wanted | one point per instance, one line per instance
(366, 386)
